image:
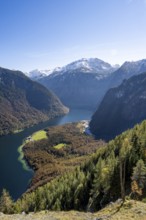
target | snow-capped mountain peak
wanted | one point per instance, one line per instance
(36, 74)
(88, 65)
(85, 65)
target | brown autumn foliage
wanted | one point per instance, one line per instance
(49, 162)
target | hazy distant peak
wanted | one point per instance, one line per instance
(36, 73)
(86, 65)
(134, 63)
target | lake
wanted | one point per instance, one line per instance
(12, 175)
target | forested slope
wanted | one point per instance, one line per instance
(24, 102)
(121, 108)
(114, 171)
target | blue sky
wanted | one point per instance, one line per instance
(48, 33)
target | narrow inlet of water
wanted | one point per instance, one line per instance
(13, 176)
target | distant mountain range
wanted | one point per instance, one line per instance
(80, 84)
(127, 70)
(91, 65)
(24, 102)
(83, 83)
(121, 108)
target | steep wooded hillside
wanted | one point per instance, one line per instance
(116, 170)
(121, 108)
(24, 102)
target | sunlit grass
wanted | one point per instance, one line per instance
(59, 146)
(39, 135)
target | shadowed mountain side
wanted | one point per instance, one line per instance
(24, 102)
(81, 84)
(121, 108)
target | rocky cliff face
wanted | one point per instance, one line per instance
(24, 102)
(121, 108)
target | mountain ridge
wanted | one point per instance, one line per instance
(93, 65)
(127, 70)
(83, 83)
(77, 83)
(121, 108)
(24, 102)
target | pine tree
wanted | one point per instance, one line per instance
(123, 155)
(57, 205)
(136, 191)
(6, 202)
(138, 178)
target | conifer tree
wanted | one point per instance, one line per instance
(138, 178)
(6, 202)
(124, 152)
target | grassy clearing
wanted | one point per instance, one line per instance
(131, 210)
(59, 146)
(39, 135)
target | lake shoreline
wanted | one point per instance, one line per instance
(65, 147)
(13, 177)
(84, 126)
(23, 160)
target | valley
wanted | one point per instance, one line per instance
(60, 164)
(86, 79)
(98, 181)
(14, 177)
(72, 110)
